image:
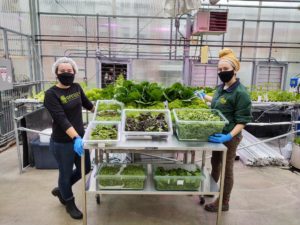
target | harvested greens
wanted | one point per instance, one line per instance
(107, 172)
(108, 111)
(175, 179)
(130, 176)
(146, 121)
(108, 115)
(105, 132)
(197, 124)
(134, 182)
(197, 115)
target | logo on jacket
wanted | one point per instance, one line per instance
(68, 98)
(63, 99)
(223, 100)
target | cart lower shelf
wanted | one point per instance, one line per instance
(208, 186)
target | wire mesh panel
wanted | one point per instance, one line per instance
(6, 111)
(18, 47)
(14, 15)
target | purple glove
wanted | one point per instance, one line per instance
(220, 138)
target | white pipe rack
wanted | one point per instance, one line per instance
(254, 152)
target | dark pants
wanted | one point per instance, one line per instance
(66, 157)
(216, 162)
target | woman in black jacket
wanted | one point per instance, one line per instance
(64, 101)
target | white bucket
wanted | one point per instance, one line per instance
(45, 138)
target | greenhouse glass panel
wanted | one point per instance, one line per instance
(250, 31)
(265, 32)
(91, 72)
(286, 32)
(62, 25)
(262, 53)
(280, 14)
(47, 63)
(2, 51)
(234, 31)
(14, 15)
(17, 45)
(242, 13)
(161, 71)
(104, 7)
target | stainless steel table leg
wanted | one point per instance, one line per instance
(221, 187)
(101, 155)
(107, 157)
(193, 153)
(185, 156)
(84, 211)
(203, 158)
(201, 197)
(96, 156)
(17, 139)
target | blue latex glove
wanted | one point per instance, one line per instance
(200, 94)
(220, 138)
(78, 146)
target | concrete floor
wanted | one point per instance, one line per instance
(261, 196)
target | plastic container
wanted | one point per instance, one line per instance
(92, 125)
(120, 181)
(45, 138)
(108, 102)
(192, 130)
(147, 134)
(177, 183)
(43, 158)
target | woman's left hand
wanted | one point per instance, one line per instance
(220, 138)
(78, 146)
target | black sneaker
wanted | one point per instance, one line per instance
(56, 193)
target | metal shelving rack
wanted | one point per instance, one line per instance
(208, 186)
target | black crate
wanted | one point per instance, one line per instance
(43, 158)
(265, 116)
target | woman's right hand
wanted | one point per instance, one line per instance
(200, 94)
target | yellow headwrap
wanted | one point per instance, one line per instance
(228, 55)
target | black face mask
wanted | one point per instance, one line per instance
(226, 76)
(66, 78)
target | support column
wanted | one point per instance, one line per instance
(37, 72)
(186, 52)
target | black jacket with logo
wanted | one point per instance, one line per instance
(65, 107)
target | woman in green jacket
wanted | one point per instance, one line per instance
(233, 100)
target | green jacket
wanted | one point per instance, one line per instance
(234, 103)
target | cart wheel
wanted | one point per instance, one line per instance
(202, 200)
(98, 199)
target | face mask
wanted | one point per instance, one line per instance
(226, 76)
(66, 78)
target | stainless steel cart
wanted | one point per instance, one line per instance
(208, 186)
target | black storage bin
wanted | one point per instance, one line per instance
(265, 116)
(43, 158)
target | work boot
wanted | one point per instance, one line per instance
(57, 193)
(213, 207)
(72, 209)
